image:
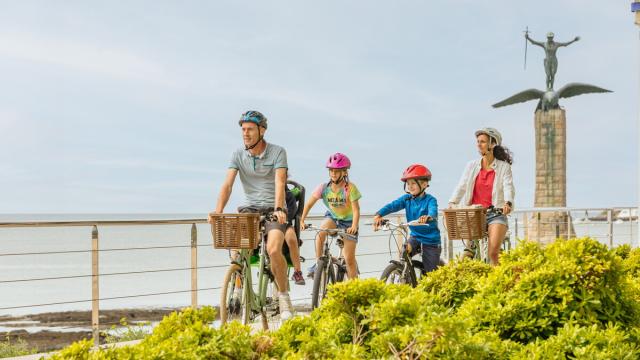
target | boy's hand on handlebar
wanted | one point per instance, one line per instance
(424, 219)
(353, 229)
(210, 218)
(506, 209)
(303, 226)
(377, 221)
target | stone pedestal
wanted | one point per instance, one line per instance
(551, 177)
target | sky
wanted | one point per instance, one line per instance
(132, 107)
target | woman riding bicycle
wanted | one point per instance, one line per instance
(488, 182)
(418, 205)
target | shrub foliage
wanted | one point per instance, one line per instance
(574, 299)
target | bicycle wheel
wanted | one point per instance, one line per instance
(323, 276)
(271, 312)
(340, 271)
(483, 250)
(392, 274)
(506, 243)
(234, 300)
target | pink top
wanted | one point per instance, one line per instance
(483, 188)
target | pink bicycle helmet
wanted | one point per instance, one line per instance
(338, 161)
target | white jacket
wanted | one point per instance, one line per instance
(503, 189)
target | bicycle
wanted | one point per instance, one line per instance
(329, 269)
(239, 301)
(405, 270)
(470, 226)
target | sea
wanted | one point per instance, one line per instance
(47, 269)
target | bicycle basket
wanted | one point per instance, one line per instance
(235, 231)
(466, 224)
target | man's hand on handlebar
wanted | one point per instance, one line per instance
(281, 216)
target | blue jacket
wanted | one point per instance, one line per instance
(414, 208)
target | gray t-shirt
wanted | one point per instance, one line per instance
(258, 173)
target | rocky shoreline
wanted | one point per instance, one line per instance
(55, 330)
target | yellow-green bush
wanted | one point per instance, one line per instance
(535, 291)
(451, 285)
(576, 342)
(631, 263)
(185, 335)
(572, 299)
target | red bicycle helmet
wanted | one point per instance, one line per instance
(416, 171)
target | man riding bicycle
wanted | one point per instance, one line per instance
(263, 172)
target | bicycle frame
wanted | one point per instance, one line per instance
(325, 273)
(326, 253)
(405, 260)
(408, 266)
(257, 300)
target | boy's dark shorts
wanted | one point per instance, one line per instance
(430, 253)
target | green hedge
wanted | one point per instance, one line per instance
(574, 299)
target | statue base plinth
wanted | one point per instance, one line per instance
(551, 178)
(546, 227)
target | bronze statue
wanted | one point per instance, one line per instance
(549, 99)
(550, 61)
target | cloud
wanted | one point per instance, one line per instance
(155, 165)
(81, 56)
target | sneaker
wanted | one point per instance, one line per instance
(285, 306)
(312, 271)
(298, 278)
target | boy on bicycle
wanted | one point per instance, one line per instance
(420, 206)
(340, 196)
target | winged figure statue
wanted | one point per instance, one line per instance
(548, 100)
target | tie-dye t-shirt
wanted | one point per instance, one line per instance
(338, 203)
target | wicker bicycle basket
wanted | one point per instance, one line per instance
(466, 224)
(235, 231)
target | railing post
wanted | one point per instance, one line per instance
(194, 266)
(538, 227)
(526, 225)
(630, 227)
(610, 221)
(515, 225)
(449, 248)
(568, 224)
(401, 235)
(95, 288)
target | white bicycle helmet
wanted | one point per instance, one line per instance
(492, 133)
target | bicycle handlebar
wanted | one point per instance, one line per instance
(495, 209)
(330, 232)
(387, 224)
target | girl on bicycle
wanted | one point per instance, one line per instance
(418, 205)
(488, 182)
(340, 196)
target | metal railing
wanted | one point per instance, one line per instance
(96, 275)
(547, 224)
(523, 224)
